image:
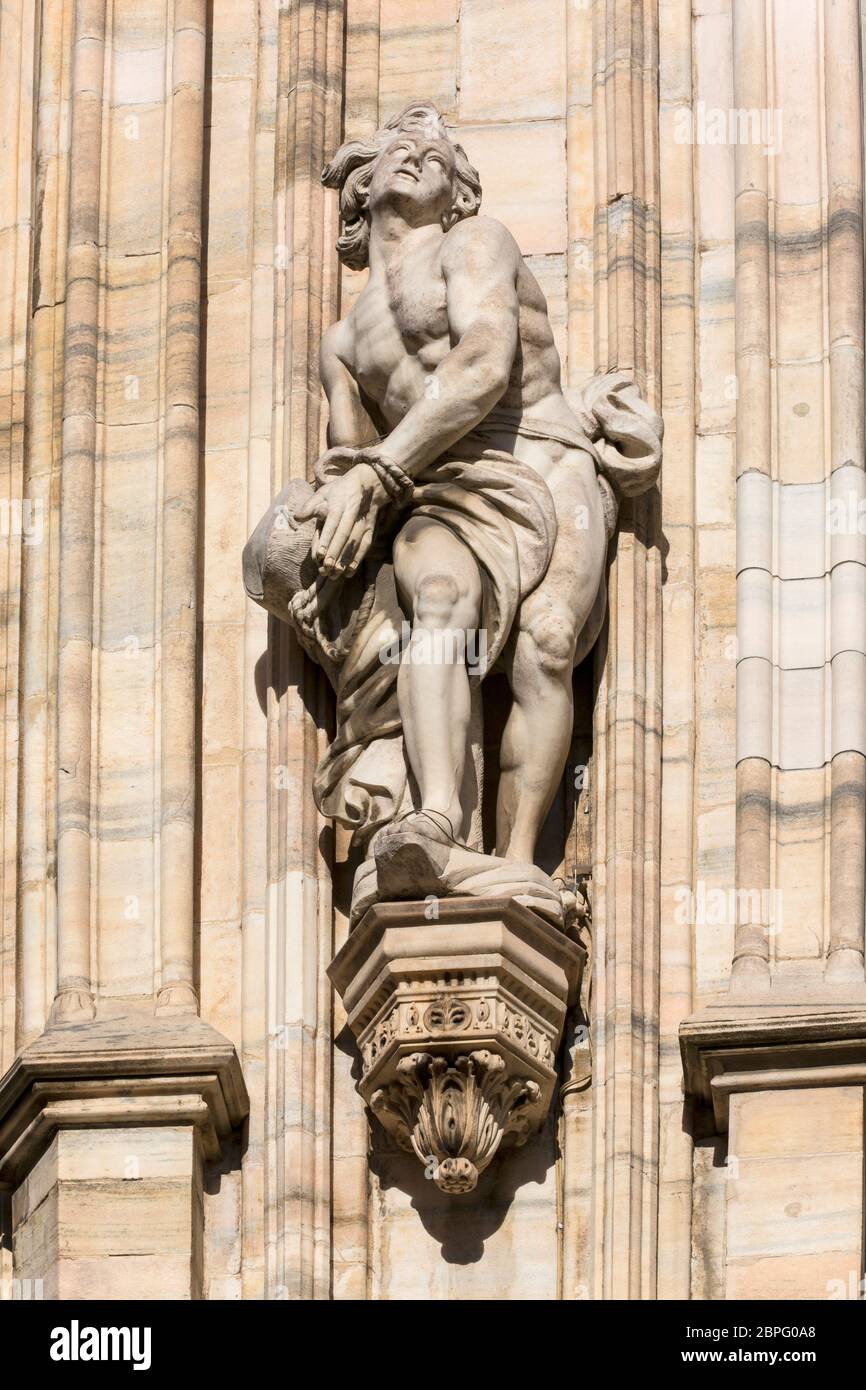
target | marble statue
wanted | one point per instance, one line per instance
(459, 523)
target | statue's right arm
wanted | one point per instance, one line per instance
(349, 422)
(346, 507)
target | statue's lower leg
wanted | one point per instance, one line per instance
(435, 709)
(412, 854)
(533, 754)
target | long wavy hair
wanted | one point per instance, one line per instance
(351, 170)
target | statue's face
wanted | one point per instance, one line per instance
(415, 174)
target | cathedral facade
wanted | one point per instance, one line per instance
(263, 1033)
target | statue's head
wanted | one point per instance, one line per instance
(412, 165)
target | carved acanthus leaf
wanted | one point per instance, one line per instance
(456, 1112)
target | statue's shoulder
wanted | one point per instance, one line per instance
(338, 341)
(482, 234)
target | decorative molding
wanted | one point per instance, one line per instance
(770, 1047)
(123, 1071)
(451, 1014)
(458, 1021)
(457, 1112)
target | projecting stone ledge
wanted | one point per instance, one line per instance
(782, 1080)
(104, 1131)
(734, 1048)
(458, 1008)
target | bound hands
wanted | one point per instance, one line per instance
(346, 509)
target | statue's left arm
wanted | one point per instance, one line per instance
(480, 264)
(349, 422)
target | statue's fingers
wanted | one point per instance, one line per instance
(326, 531)
(318, 507)
(336, 542)
(366, 540)
(340, 454)
(350, 549)
(315, 505)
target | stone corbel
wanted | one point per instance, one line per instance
(458, 1021)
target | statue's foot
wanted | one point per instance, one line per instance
(417, 857)
(411, 856)
(365, 890)
(504, 878)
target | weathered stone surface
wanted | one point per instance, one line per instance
(458, 1018)
(684, 180)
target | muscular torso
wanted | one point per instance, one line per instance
(398, 332)
(412, 315)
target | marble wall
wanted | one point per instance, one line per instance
(685, 180)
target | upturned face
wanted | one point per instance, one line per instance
(415, 175)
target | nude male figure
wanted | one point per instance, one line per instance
(450, 326)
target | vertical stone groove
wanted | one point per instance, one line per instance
(180, 511)
(74, 997)
(627, 733)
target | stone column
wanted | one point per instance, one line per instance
(22, 507)
(109, 674)
(180, 508)
(628, 715)
(845, 326)
(802, 657)
(74, 992)
(351, 1132)
(777, 1065)
(299, 923)
(576, 1097)
(681, 660)
(754, 689)
(127, 558)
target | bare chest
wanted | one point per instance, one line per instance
(401, 324)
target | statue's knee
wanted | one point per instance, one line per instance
(553, 636)
(441, 600)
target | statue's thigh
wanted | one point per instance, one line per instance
(426, 552)
(565, 596)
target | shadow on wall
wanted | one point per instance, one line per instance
(482, 1212)
(6, 1221)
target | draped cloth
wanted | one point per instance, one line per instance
(503, 511)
